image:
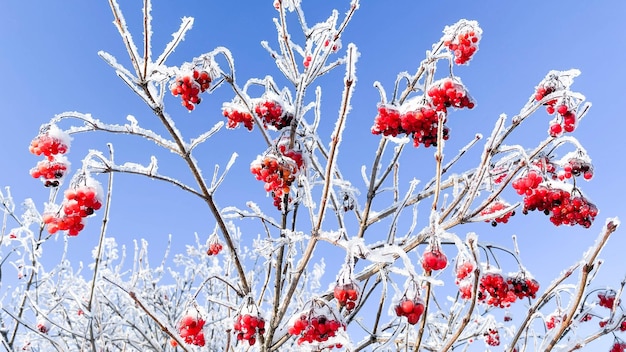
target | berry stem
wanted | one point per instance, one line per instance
(438, 159)
(472, 304)
(147, 33)
(420, 333)
(588, 266)
(97, 259)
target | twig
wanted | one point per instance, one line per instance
(105, 220)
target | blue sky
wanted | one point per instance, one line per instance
(50, 64)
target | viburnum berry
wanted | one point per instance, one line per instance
(495, 207)
(189, 86)
(522, 285)
(215, 247)
(564, 121)
(335, 45)
(272, 113)
(388, 122)
(79, 203)
(462, 40)
(465, 289)
(553, 320)
(618, 346)
(411, 308)
(278, 169)
(190, 328)
(50, 142)
(526, 184)
(607, 299)
(236, 114)
(562, 207)
(421, 122)
(307, 61)
(543, 91)
(249, 327)
(347, 294)
(447, 93)
(464, 45)
(463, 269)
(495, 291)
(51, 172)
(492, 337)
(417, 120)
(577, 166)
(316, 329)
(434, 259)
(43, 325)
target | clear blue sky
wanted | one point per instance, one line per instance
(49, 64)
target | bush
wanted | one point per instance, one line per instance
(256, 280)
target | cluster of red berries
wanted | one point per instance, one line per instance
(214, 248)
(388, 122)
(190, 329)
(494, 291)
(272, 112)
(523, 286)
(310, 328)
(560, 204)
(336, 45)
(79, 203)
(420, 123)
(495, 207)
(50, 143)
(553, 320)
(278, 170)
(51, 172)
(498, 291)
(576, 167)
(190, 86)
(565, 121)
(412, 309)
(420, 120)
(526, 184)
(543, 91)
(492, 337)
(618, 346)
(347, 294)
(434, 259)
(248, 327)
(607, 299)
(235, 115)
(464, 45)
(447, 93)
(307, 61)
(463, 269)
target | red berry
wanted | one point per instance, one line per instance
(434, 259)
(347, 295)
(412, 309)
(248, 327)
(188, 86)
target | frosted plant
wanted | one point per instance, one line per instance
(228, 292)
